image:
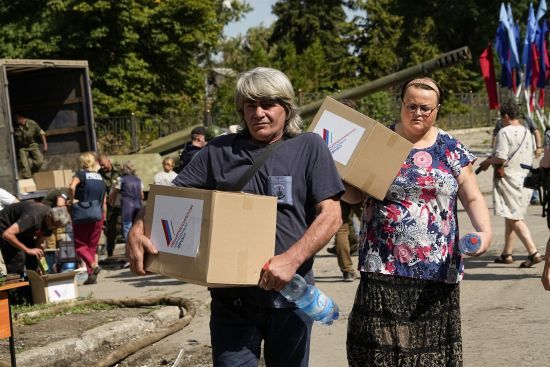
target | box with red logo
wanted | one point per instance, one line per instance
(368, 155)
(212, 238)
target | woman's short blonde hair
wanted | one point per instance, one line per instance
(267, 83)
(88, 161)
(128, 168)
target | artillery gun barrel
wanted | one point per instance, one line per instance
(447, 59)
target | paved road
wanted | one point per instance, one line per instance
(505, 311)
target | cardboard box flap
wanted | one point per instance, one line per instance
(234, 257)
(366, 170)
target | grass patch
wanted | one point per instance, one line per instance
(29, 315)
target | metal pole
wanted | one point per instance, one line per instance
(447, 59)
(133, 133)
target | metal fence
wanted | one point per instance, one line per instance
(127, 134)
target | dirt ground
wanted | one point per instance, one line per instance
(72, 325)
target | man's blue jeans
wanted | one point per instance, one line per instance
(237, 330)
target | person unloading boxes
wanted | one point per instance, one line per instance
(23, 228)
(27, 134)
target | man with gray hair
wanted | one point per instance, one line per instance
(23, 229)
(301, 173)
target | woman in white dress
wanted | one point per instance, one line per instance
(514, 148)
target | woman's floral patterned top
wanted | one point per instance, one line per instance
(413, 232)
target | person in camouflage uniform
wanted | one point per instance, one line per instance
(110, 174)
(27, 133)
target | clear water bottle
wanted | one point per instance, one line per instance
(311, 300)
(469, 244)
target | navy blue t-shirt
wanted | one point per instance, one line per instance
(300, 172)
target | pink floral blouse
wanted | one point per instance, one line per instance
(413, 232)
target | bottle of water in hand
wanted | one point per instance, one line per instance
(469, 244)
(311, 300)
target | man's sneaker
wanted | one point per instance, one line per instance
(331, 250)
(349, 276)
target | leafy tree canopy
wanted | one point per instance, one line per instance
(144, 55)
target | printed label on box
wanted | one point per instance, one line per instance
(341, 135)
(61, 291)
(177, 224)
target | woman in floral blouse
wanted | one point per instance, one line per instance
(406, 309)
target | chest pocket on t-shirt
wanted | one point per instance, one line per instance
(281, 187)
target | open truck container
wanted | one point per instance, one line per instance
(57, 95)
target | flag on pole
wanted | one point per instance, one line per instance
(527, 55)
(488, 72)
(541, 10)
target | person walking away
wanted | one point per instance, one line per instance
(23, 228)
(513, 148)
(167, 175)
(110, 173)
(407, 307)
(198, 141)
(130, 189)
(301, 173)
(530, 124)
(26, 135)
(88, 187)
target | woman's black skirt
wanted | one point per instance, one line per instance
(398, 321)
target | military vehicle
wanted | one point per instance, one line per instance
(168, 144)
(57, 95)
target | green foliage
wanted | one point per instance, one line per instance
(144, 56)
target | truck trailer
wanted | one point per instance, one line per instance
(57, 95)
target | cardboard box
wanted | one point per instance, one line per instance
(53, 287)
(26, 185)
(211, 238)
(46, 180)
(367, 154)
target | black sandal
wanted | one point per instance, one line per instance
(531, 260)
(504, 259)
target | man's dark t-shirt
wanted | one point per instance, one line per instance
(300, 172)
(188, 152)
(29, 216)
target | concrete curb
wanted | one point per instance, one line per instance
(66, 352)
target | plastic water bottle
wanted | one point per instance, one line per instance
(311, 300)
(469, 244)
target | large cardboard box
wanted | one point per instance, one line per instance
(211, 238)
(367, 154)
(46, 180)
(26, 185)
(53, 287)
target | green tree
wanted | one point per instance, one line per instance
(308, 28)
(144, 55)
